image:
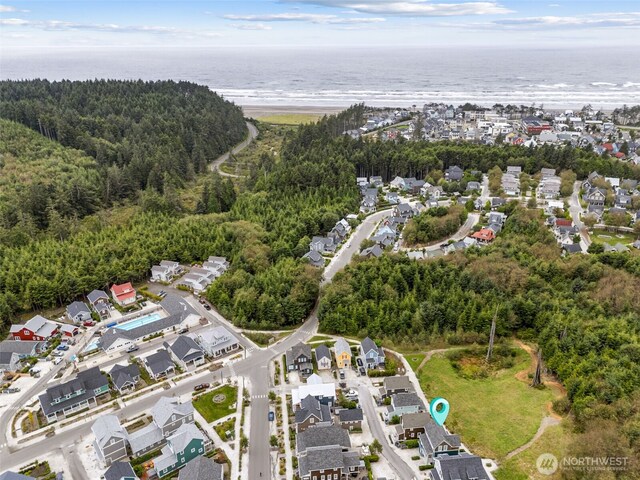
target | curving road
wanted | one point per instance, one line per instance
(215, 165)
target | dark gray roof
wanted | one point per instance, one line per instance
(322, 437)
(201, 468)
(461, 467)
(20, 347)
(14, 476)
(97, 295)
(322, 351)
(406, 400)
(159, 362)
(572, 248)
(87, 380)
(310, 406)
(176, 305)
(75, 308)
(367, 345)
(124, 374)
(119, 470)
(351, 415)
(375, 250)
(435, 435)
(397, 382)
(296, 351)
(186, 349)
(320, 459)
(314, 256)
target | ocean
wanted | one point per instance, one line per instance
(378, 76)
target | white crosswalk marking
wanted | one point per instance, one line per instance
(259, 396)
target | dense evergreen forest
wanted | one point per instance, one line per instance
(584, 311)
(434, 224)
(150, 136)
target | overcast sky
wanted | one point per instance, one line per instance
(264, 23)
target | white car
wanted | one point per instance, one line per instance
(57, 360)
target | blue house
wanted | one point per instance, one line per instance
(371, 354)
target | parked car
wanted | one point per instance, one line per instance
(207, 306)
(162, 294)
(202, 386)
(183, 330)
(57, 353)
(88, 323)
(201, 300)
(359, 361)
(362, 371)
(63, 347)
(351, 394)
(56, 361)
(272, 416)
(341, 374)
(133, 348)
(11, 390)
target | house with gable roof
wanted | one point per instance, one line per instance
(123, 294)
(372, 355)
(111, 439)
(37, 329)
(184, 445)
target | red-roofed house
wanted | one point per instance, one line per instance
(563, 222)
(484, 235)
(37, 329)
(608, 147)
(123, 294)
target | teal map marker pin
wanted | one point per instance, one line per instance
(439, 409)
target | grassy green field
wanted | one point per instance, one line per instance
(319, 338)
(554, 440)
(612, 238)
(212, 411)
(289, 118)
(414, 359)
(493, 415)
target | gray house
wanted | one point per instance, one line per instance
(99, 301)
(78, 312)
(201, 468)
(323, 357)
(10, 362)
(120, 471)
(372, 355)
(312, 414)
(111, 439)
(402, 403)
(436, 441)
(159, 364)
(125, 377)
(299, 358)
(322, 437)
(186, 352)
(314, 258)
(460, 467)
(216, 342)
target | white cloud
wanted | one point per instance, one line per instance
(303, 17)
(251, 26)
(413, 8)
(596, 20)
(58, 25)
(9, 8)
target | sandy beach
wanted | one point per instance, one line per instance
(258, 111)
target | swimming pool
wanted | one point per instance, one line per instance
(131, 324)
(91, 347)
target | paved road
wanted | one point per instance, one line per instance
(576, 210)
(375, 424)
(215, 165)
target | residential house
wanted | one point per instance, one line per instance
(403, 403)
(330, 435)
(384, 239)
(299, 358)
(216, 341)
(314, 258)
(411, 425)
(397, 182)
(323, 244)
(497, 202)
(403, 210)
(376, 181)
(329, 463)
(362, 181)
(432, 191)
(595, 196)
(590, 181)
(10, 362)
(323, 357)
(314, 379)
(78, 312)
(201, 468)
(197, 280)
(368, 204)
(351, 418)
(453, 174)
(145, 440)
(184, 445)
(37, 329)
(374, 251)
(514, 170)
(185, 352)
(120, 471)
(436, 441)
(460, 467)
(23, 349)
(159, 364)
(123, 294)
(325, 393)
(571, 248)
(392, 198)
(165, 271)
(510, 184)
(342, 351)
(110, 441)
(62, 400)
(125, 377)
(67, 330)
(312, 413)
(474, 186)
(484, 235)
(9, 475)
(395, 384)
(216, 266)
(169, 415)
(99, 301)
(497, 217)
(372, 355)
(549, 187)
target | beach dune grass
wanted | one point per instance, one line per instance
(213, 410)
(494, 415)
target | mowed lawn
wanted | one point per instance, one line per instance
(289, 118)
(612, 238)
(414, 359)
(212, 411)
(555, 440)
(494, 415)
